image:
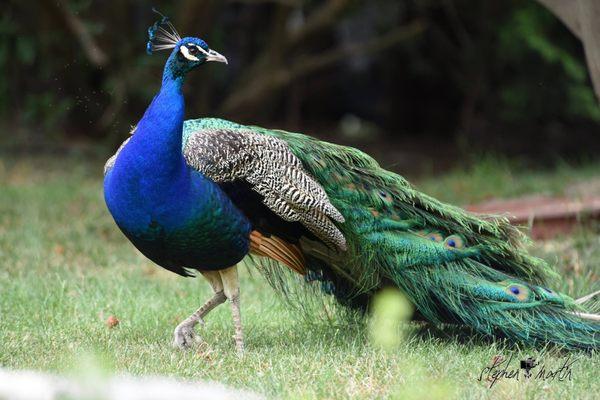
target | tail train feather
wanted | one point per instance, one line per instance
(454, 266)
(591, 317)
(587, 298)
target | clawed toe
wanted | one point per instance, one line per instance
(185, 337)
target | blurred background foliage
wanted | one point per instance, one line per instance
(404, 80)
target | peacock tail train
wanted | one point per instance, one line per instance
(454, 266)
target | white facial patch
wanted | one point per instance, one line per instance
(186, 53)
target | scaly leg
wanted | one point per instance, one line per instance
(184, 335)
(231, 285)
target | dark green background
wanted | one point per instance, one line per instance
(462, 76)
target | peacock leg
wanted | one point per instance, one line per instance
(231, 285)
(185, 336)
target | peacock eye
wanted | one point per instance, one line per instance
(454, 242)
(435, 236)
(518, 292)
(193, 50)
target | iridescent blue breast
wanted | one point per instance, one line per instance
(184, 223)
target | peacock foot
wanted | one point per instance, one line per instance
(185, 337)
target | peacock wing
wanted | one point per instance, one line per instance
(266, 163)
(110, 163)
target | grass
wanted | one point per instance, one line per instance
(493, 177)
(64, 268)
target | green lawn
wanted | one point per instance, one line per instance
(65, 267)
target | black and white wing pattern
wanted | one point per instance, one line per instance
(111, 161)
(267, 164)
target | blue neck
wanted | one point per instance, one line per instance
(170, 77)
(159, 132)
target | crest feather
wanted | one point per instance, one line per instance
(162, 35)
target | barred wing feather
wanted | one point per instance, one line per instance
(273, 171)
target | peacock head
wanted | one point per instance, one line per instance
(187, 53)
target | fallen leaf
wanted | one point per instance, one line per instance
(112, 321)
(59, 250)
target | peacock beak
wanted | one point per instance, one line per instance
(214, 56)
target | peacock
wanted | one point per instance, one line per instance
(198, 196)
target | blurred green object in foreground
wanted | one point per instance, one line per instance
(390, 309)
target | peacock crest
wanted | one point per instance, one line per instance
(162, 35)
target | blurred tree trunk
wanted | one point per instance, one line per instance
(567, 12)
(582, 18)
(589, 19)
